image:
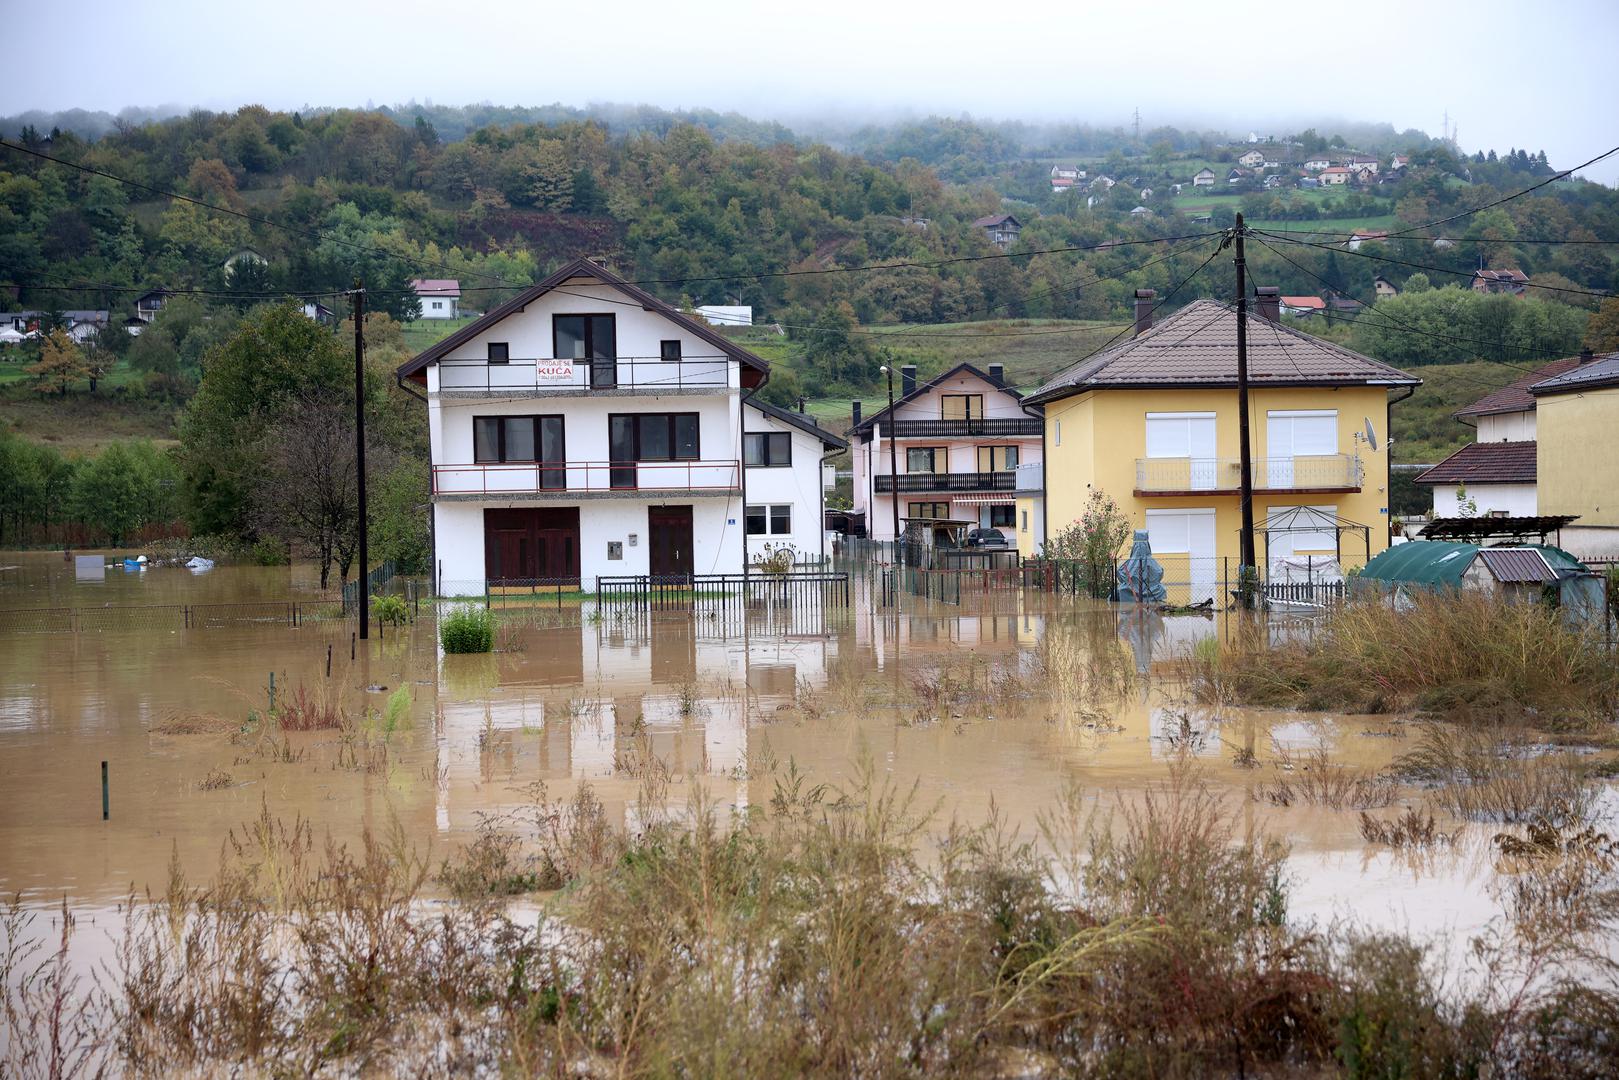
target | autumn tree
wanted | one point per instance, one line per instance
(1602, 331)
(61, 364)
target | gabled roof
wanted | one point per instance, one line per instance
(1511, 275)
(580, 268)
(922, 388)
(1515, 395)
(1485, 463)
(1197, 347)
(436, 287)
(1587, 376)
(799, 421)
(991, 220)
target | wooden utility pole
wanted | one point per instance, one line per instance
(1246, 496)
(363, 589)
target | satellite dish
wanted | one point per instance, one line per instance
(1371, 434)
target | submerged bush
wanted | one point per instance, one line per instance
(1453, 656)
(467, 629)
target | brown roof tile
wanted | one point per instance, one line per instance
(1515, 395)
(1197, 346)
(1485, 463)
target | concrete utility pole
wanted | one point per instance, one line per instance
(363, 589)
(1246, 497)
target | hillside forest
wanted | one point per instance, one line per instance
(704, 208)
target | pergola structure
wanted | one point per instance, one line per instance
(1307, 519)
(1518, 530)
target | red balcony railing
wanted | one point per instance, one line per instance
(648, 374)
(586, 477)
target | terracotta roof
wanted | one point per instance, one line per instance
(1485, 463)
(1515, 395)
(1334, 169)
(577, 269)
(436, 287)
(1197, 346)
(1313, 302)
(1589, 375)
(1513, 565)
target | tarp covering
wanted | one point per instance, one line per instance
(1440, 562)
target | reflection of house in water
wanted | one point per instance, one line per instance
(589, 702)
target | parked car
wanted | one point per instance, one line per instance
(987, 538)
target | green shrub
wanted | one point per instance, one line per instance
(467, 629)
(390, 608)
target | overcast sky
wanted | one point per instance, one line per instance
(1511, 72)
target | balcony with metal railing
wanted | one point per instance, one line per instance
(547, 377)
(1315, 474)
(922, 483)
(997, 427)
(549, 480)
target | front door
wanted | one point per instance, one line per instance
(669, 541)
(529, 545)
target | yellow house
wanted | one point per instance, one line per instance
(1153, 423)
(1577, 456)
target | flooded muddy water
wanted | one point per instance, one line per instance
(644, 707)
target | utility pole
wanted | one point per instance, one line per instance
(363, 586)
(1137, 121)
(1246, 496)
(893, 468)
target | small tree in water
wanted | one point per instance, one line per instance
(1090, 545)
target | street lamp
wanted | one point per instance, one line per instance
(893, 464)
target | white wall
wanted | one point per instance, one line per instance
(1507, 427)
(798, 485)
(1516, 500)
(438, 307)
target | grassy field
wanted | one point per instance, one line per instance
(424, 332)
(1424, 430)
(86, 423)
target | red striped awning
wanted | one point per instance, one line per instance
(1005, 498)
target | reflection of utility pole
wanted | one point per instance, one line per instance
(362, 587)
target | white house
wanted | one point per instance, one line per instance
(950, 449)
(726, 314)
(1318, 163)
(1253, 159)
(441, 297)
(586, 428)
(1203, 178)
(1337, 174)
(1495, 475)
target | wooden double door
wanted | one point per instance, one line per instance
(669, 541)
(532, 544)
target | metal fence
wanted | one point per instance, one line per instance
(289, 613)
(714, 591)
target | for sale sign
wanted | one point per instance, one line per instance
(554, 372)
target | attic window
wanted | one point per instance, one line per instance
(499, 352)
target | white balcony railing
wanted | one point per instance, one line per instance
(564, 478)
(645, 374)
(1321, 472)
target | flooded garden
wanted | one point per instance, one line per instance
(1015, 835)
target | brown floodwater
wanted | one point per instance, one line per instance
(725, 704)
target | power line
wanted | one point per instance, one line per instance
(1389, 321)
(1508, 198)
(1423, 266)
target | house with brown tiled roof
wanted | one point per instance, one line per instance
(1153, 423)
(1002, 229)
(1496, 474)
(1509, 280)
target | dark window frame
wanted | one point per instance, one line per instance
(622, 472)
(992, 447)
(500, 438)
(936, 451)
(766, 439)
(911, 506)
(505, 352)
(967, 412)
(765, 514)
(603, 369)
(1007, 512)
(664, 349)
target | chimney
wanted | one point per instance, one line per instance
(1144, 299)
(854, 414)
(907, 380)
(1270, 302)
(1586, 356)
(997, 374)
